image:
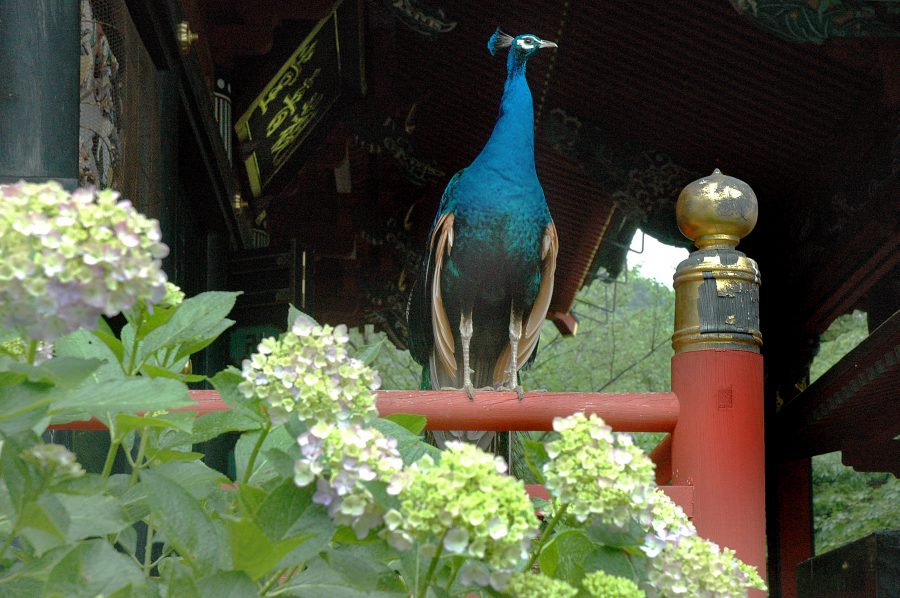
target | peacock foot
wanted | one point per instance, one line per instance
(520, 392)
(468, 389)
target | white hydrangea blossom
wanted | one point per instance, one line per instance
(309, 374)
(65, 259)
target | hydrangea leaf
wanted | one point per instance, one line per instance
(128, 395)
(94, 568)
(414, 423)
(262, 469)
(535, 457)
(564, 555)
(411, 446)
(196, 537)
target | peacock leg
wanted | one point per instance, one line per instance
(465, 335)
(515, 333)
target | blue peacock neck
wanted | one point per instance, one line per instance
(510, 149)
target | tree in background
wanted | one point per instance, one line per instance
(848, 504)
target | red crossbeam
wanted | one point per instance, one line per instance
(500, 411)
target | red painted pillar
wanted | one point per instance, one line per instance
(791, 524)
(717, 371)
(717, 447)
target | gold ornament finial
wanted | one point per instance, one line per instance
(716, 211)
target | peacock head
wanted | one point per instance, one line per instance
(522, 46)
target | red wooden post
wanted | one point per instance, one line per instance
(717, 370)
(791, 524)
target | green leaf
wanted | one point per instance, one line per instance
(91, 516)
(170, 456)
(263, 469)
(563, 557)
(255, 553)
(315, 523)
(124, 423)
(128, 395)
(369, 354)
(226, 382)
(320, 579)
(613, 561)
(227, 584)
(414, 423)
(96, 345)
(24, 407)
(197, 319)
(158, 372)
(608, 535)
(294, 313)
(179, 579)
(410, 446)
(217, 423)
(356, 564)
(282, 508)
(44, 522)
(94, 568)
(536, 457)
(195, 477)
(64, 372)
(197, 538)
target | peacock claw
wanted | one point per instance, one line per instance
(470, 391)
(520, 392)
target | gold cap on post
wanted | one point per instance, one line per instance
(717, 286)
(716, 211)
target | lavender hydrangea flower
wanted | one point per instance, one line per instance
(339, 459)
(695, 567)
(65, 259)
(309, 374)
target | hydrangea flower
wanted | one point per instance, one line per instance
(668, 524)
(174, 296)
(309, 374)
(536, 585)
(17, 349)
(599, 584)
(693, 566)
(65, 259)
(598, 473)
(339, 459)
(55, 461)
(466, 502)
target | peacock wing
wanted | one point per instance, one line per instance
(426, 318)
(531, 332)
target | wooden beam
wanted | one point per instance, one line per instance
(857, 399)
(500, 411)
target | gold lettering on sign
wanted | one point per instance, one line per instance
(290, 101)
(299, 123)
(291, 74)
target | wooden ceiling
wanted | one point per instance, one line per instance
(639, 99)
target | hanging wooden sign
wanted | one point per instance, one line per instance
(293, 103)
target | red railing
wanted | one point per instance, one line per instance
(503, 411)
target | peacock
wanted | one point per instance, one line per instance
(486, 279)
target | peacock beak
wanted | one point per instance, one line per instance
(545, 44)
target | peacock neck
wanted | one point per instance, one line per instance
(510, 148)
